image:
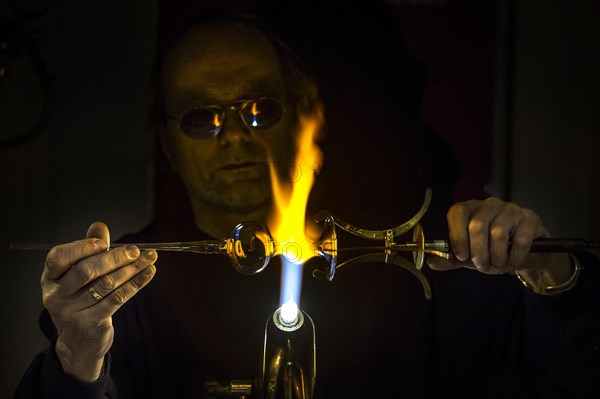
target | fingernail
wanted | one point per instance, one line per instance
(101, 244)
(132, 251)
(150, 254)
(149, 270)
(461, 256)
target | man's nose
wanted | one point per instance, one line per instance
(233, 129)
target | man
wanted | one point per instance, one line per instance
(483, 336)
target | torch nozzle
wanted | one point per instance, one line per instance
(287, 319)
(289, 358)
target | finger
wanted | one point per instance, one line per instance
(479, 229)
(442, 264)
(108, 305)
(107, 283)
(526, 231)
(62, 257)
(96, 266)
(458, 220)
(501, 229)
(99, 230)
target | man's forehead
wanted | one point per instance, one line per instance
(219, 92)
(217, 63)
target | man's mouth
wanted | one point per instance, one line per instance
(239, 165)
(242, 171)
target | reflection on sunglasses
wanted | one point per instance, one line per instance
(206, 122)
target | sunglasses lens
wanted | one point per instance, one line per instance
(201, 123)
(262, 114)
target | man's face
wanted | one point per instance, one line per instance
(216, 65)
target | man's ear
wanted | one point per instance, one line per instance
(166, 146)
(313, 109)
(309, 102)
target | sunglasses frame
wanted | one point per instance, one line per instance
(220, 109)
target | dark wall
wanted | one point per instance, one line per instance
(555, 166)
(91, 161)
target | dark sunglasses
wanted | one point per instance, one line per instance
(206, 122)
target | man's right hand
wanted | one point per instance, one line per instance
(72, 274)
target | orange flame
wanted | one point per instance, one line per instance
(288, 220)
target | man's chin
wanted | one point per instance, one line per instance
(241, 207)
(243, 198)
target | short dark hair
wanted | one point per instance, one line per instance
(300, 83)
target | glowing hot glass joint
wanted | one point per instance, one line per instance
(292, 251)
(288, 317)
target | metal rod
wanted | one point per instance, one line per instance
(538, 245)
(563, 245)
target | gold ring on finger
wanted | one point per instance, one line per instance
(95, 295)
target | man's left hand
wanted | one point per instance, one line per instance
(494, 237)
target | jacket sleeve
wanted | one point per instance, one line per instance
(496, 338)
(46, 379)
(562, 334)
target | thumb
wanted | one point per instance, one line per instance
(99, 230)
